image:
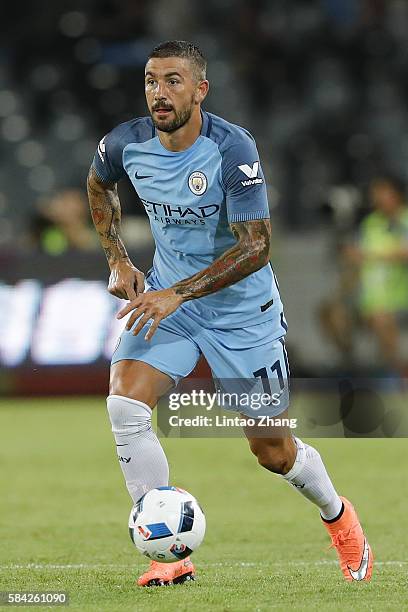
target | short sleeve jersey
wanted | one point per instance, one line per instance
(190, 198)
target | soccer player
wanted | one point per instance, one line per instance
(211, 289)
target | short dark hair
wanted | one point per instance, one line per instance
(184, 49)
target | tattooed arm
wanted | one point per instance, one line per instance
(125, 280)
(249, 254)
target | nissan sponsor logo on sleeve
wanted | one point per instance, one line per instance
(251, 173)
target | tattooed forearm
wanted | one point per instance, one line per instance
(247, 256)
(105, 210)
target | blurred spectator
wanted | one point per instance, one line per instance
(322, 84)
(373, 286)
(62, 224)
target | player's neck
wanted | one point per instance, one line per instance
(183, 138)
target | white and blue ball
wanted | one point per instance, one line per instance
(167, 524)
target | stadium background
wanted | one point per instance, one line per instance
(323, 87)
(321, 84)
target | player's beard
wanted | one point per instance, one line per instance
(180, 119)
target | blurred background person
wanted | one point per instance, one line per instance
(62, 224)
(373, 289)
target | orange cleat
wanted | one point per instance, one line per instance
(162, 574)
(353, 550)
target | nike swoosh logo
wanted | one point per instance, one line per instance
(361, 572)
(142, 176)
(122, 445)
(266, 306)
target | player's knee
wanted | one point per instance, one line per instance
(277, 456)
(139, 381)
(121, 383)
(127, 381)
(128, 416)
(119, 386)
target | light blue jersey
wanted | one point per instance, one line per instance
(190, 198)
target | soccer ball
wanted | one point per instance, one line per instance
(167, 524)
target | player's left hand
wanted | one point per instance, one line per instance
(156, 305)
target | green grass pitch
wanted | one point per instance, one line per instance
(64, 511)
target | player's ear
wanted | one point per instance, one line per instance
(201, 91)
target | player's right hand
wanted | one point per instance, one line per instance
(125, 281)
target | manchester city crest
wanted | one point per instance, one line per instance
(197, 181)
